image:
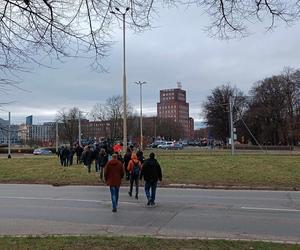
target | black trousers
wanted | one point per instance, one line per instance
(134, 179)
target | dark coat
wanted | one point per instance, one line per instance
(113, 173)
(103, 159)
(96, 153)
(151, 170)
(78, 151)
(87, 157)
(127, 158)
(64, 153)
(140, 156)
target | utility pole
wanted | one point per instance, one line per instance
(56, 137)
(141, 112)
(9, 155)
(123, 14)
(79, 128)
(155, 127)
(231, 124)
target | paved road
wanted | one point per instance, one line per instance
(42, 209)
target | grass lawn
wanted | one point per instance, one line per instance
(189, 167)
(132, 243)
(224, 169)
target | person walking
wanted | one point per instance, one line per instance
(87, 158)
(140, 155)
(103, 159)
(96, 158)
(64, 156)
(78, 151)
(113, 174)
(151, 171)
(134, 169)
(60, 153)
(70, 156)
(127, 158)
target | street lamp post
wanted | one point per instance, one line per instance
(141, 112)
(9, 139)
(123, 14)
(56, 137)
(79, 128)
(231, 124)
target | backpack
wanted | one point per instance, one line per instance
(136, 169)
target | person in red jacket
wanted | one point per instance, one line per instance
(113, 173)
(134, 168)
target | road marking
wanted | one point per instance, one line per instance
(271, 209)
(61, 199)
(46, 198)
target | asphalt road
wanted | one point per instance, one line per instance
(42, 209)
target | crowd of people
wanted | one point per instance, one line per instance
(113, 167)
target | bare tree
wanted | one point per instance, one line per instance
(169, 129)
(273, 113)
(112, 112)
(233, 17)
(65, 27)
(216, 110)
(68, 124)
(59, 28)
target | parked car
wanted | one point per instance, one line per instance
(42, 151)
(164, 145)
(170, 145)
(156, 143)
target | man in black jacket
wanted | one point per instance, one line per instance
(151, 172)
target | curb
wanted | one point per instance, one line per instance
(171, 185)
(201, 238)
(231, 187)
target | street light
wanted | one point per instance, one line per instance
(141, 112)
(9, 143)
(79, 127)
(123, 14)
(56, 136)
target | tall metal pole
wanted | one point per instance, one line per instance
(124, 89)
(141, 111)
(79, 128)
(9, 155)
(56, 137)
(231, 124)
(124, 78)
(155, 128)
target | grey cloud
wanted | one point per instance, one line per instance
(177, 49)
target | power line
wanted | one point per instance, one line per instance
(248, 129)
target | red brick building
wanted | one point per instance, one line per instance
(173, 105)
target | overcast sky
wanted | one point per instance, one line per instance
(176, 49)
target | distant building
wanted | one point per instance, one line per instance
(173, 105)
(44, 133)
(4, 132)
(29, 120)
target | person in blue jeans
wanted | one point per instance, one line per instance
(113, 174)
(151, 171)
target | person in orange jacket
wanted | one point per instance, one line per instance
(118, 148)
(134, 168)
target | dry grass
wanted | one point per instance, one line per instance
(276, 171)
(132, 243)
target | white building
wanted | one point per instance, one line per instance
(37, 133)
